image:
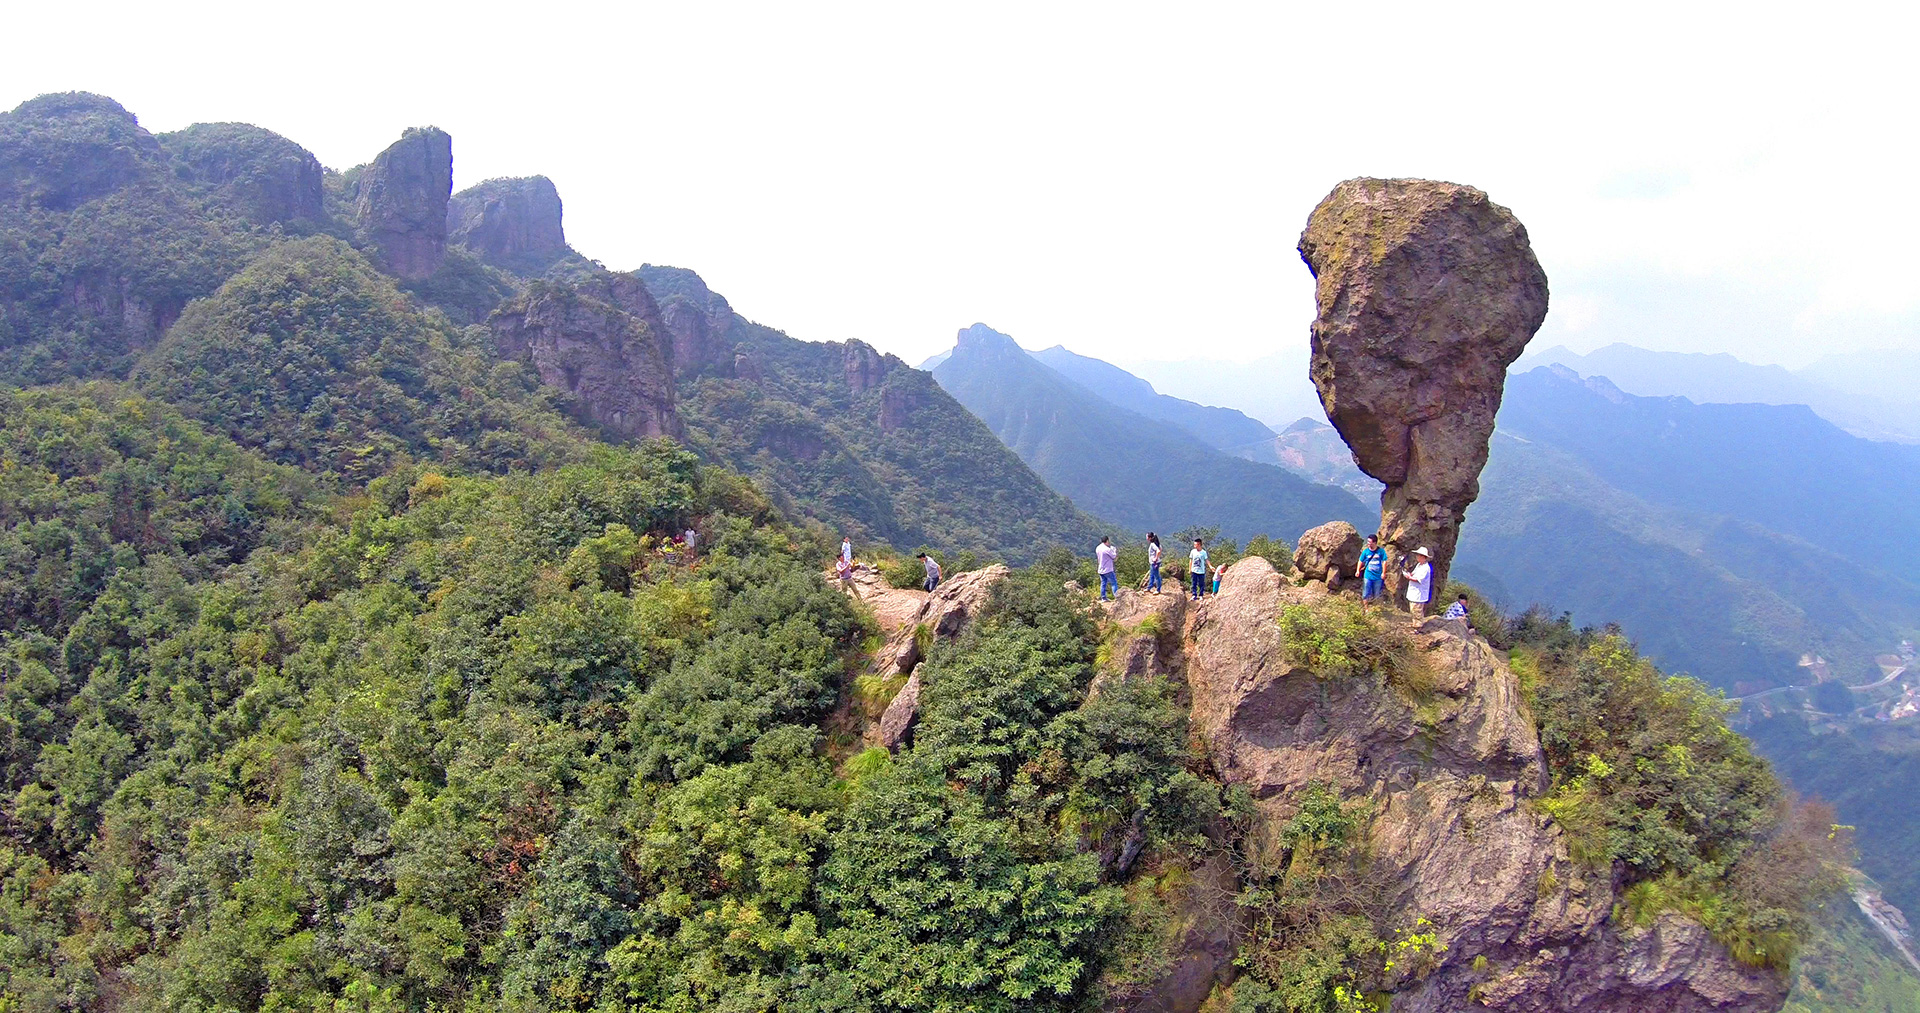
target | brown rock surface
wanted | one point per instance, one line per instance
(1330, 552)
(509, 223)
(1427, 292)
(1451, 832)
(595, 341)
(1146, 635)
(401, 201)
(903, 614)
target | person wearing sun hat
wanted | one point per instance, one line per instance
(1419, 578)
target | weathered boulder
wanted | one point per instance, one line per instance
(941, 615)
(1452, 838)
(1330, 552)
(897, 720)
(401, 202)
(509, 223)
(256, 172)
(1146, 635)
(593, 341)
(1427, 292)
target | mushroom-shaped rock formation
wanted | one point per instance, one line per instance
(1427, 292)
(1330, 552)
(401, 201)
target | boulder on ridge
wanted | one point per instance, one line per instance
(1330, 552)
(1427, 292)
(401, 202)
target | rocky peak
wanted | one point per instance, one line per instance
(257, 172)
(985, 341)
(509, 223)
(401, 202)
(1427, 292)
(594, 341)
(58, 151)
(699, 321)
(864, 366)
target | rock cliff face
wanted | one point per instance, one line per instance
(510, 223)
(401, 201)
(1452, 833)
(700, 320)
(601, 341)
(1427, 292)
(257, 172)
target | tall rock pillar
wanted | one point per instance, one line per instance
(401, 202)
(1426, 293)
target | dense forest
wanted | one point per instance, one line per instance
(346, 668)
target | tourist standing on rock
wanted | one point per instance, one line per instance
(933, 571)
(845, 567)
(1419, 579)
(846, 549)
(1153, 562)
(1103, 556)
(1372, 569)
(1197, 568)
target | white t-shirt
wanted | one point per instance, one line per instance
(1420, 584)
(1153, 552)
(933, 568)
(1105, 554)
(1197, 561)
(846, 550)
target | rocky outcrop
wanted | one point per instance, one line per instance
(258, 173)
(400, 202)
(1452, 836)
(594, 341)
(863, 366)
(913, 621)
(510, 223)
(1329, 553)
(1427, 292)
(699, 320)
(1144, 636)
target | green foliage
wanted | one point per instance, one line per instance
(1647, 773)
(1336, 638)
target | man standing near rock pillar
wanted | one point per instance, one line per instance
(1426, 293)
(1103, 556)
(1419, 578)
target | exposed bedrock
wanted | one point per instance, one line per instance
(1427, 292)
(510, 223)
(401, 201)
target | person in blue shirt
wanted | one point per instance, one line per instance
(1197, 568)
(1458, 610)
(1372, 569)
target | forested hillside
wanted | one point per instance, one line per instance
(1136, 471)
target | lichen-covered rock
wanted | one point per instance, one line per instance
(1452, 834)
(510, 223)
(593, 340)
(401, 202)
(1145, 636)
(1329, 553)
(1427, 292)
(256, 172)
(896, 722)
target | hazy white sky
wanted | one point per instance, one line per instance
(1128, 180)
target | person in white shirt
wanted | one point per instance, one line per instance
(1104, 555)
(1197, 568)
(1419, 578)
(846, 548)
(933, 571)
(1153, 562)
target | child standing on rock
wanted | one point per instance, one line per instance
(1197, 568)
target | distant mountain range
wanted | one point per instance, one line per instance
(1871, 394)
(1099, 446)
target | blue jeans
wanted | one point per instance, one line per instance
(1199, 583)
(1109, 583)
(1372, 587)
(1153, 578)
(932, 582)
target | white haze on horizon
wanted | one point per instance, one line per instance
(1126, 180)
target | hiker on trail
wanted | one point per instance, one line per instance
(845, 568)
(1153, 562)
(1372, 569)
(692, 539)
(1104, 554)
(846, 549)
(1419, 579)
(933, 571)
(1457, 610)
(1197, 568)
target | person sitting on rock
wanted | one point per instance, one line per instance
(933, 572)
(1419, 578)
(1372, 569)
(1197, 568)
(1153, 562)
(1104, 554)
(1457, 610)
